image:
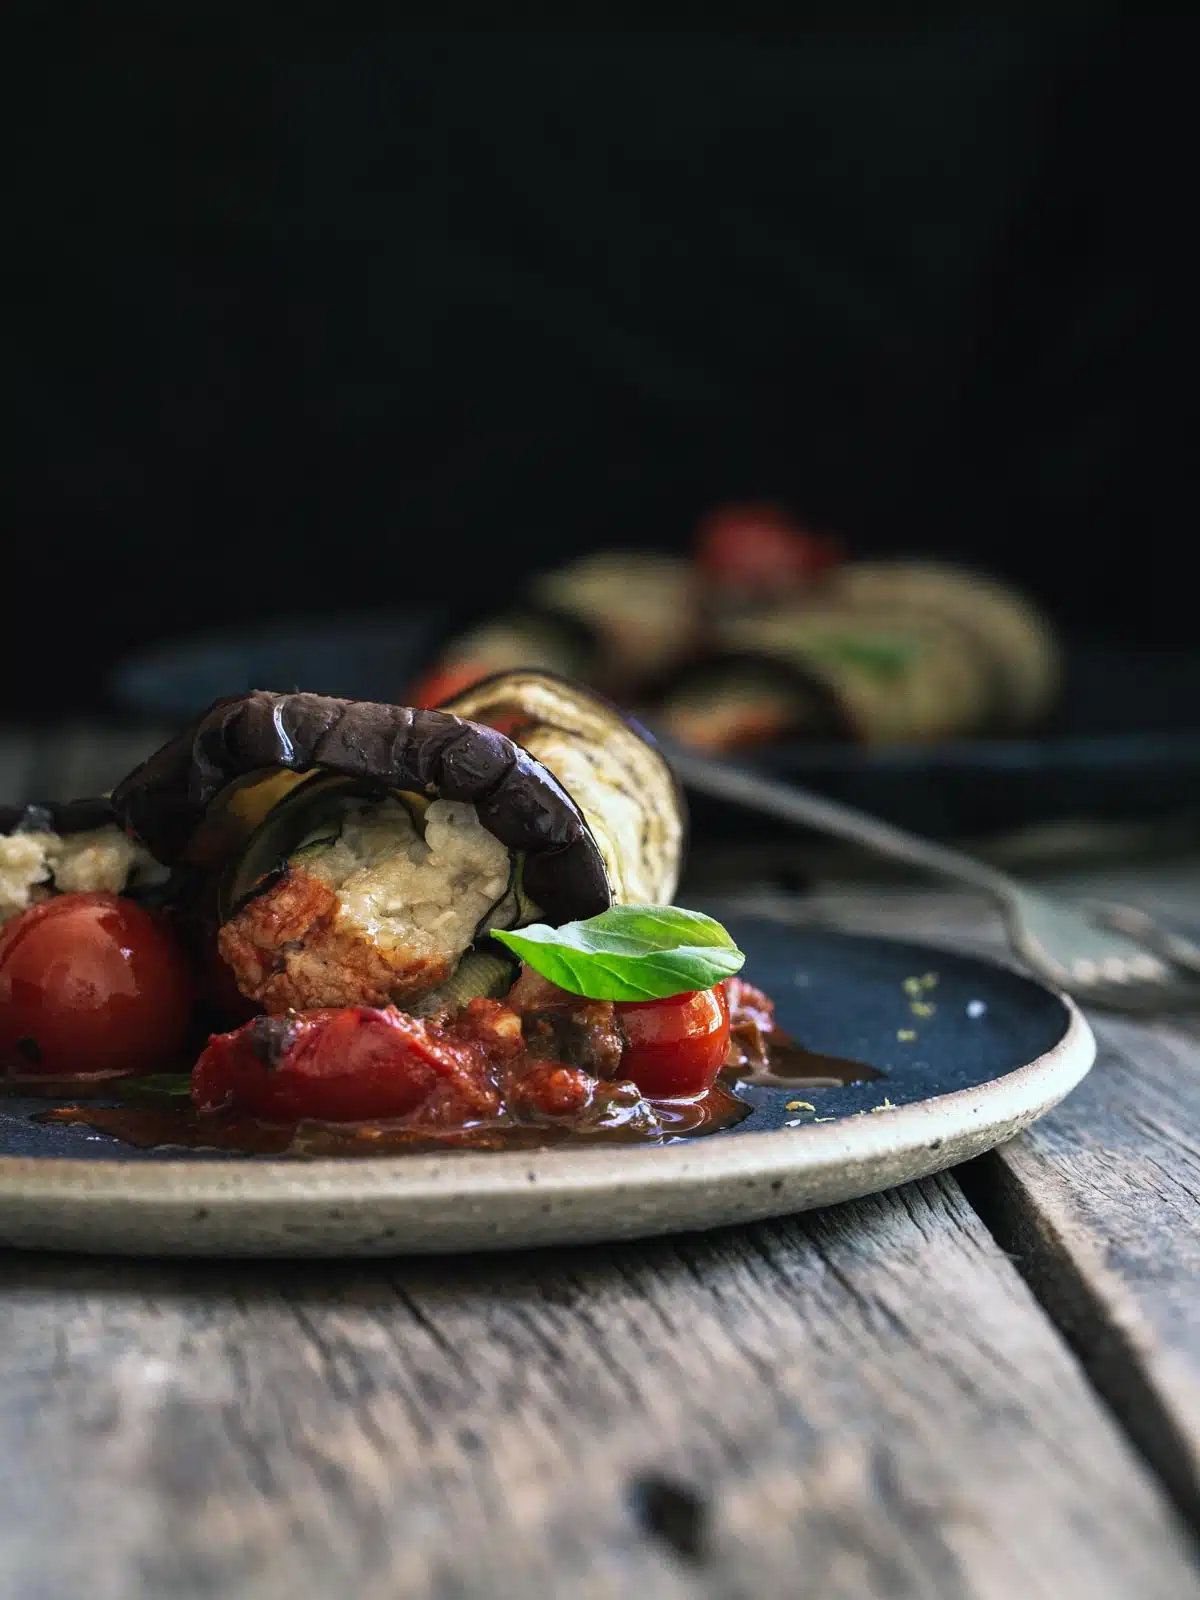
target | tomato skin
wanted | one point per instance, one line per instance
(676, 1046)
(341, 1064)
(99, 985)
(759, 549)
(442, 683)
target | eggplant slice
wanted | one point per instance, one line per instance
(242, 742)
(896, 677)
(58, 816)
(609, 765)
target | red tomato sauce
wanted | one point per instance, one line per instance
(365, 1081)
(559, 1066)
(91, 985)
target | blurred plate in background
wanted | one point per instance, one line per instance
(1125, 744)
(367, 656)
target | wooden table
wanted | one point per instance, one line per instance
(986, 1384)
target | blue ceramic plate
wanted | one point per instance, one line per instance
(967, 1053)
(371, 656)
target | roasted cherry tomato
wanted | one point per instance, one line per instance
(351, 1064)
(676, 1046)
(442, 682)
(90, 984)
(758, 549)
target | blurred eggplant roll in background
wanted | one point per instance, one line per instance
(768, 635)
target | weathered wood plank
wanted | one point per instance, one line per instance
(1100, 1201)
(16, 766)
(1101, 1205)
(89, 758)
(861, 1403)
(74, 759)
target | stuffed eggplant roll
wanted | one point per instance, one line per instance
(354, 853)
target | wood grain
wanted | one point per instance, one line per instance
(1099, 1203)
(864, 1402)
(85, 759)
(73, 760)
(16, 767)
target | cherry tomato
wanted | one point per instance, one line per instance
(442, 682)
(676, 1046)
(351, 1064)
(759, 549)
(90, 985)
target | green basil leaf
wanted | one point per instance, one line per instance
(629, 952)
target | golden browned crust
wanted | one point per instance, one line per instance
(287, 951)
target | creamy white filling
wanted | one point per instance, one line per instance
(34, 865)
(427, 894)
(24, 867)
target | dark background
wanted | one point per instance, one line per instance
(306, 312)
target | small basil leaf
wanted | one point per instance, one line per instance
(629, 953)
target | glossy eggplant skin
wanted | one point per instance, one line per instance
(164, 801)
(58, 816)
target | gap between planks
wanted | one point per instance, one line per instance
(1099, 1208)
(1098, 1204)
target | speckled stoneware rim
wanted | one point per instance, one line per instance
(435, 1204)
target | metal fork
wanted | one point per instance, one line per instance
(1103, 965)
(1172, 943)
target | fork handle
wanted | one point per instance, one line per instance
(771, 798)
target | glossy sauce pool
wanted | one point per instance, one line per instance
(791, 1066)
(153, 1122)
(180, 1127)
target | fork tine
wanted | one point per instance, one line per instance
(1125, 971)
(1175, 994)
(1140, 925)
